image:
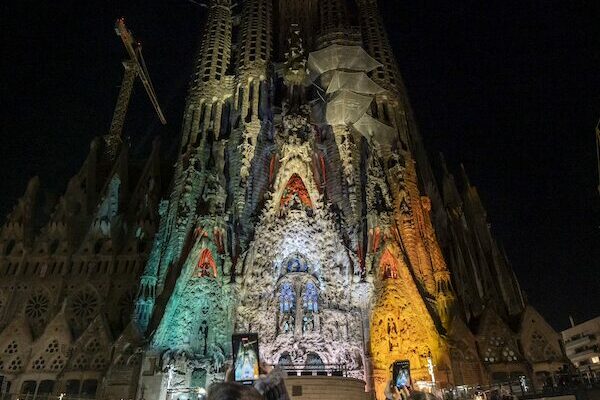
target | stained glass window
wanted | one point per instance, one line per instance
(311, 297)
(287, 298)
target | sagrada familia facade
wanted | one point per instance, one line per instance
(301, 205)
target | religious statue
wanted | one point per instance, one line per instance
(218, 357)
(392, 335)
(288, 323)
(308, 323)
(203, 335)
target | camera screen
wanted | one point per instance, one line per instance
(402, 373)
(245, 353)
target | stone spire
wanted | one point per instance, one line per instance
(335, 25)
(376, 42)
(495, 267)
(255, 48)
(214, 54)
(202, 118)
(210, 85)
(451, 195)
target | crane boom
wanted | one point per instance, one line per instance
(135, 66)
(113, 139)
(134, 49)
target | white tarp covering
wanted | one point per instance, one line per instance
(346, 107)
(357, 82)
(352, 58)
(342, 69)
(371, 128)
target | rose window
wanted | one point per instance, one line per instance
(37, 306)
(84, 306)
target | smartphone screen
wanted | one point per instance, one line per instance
(401, 373)
(245, 357)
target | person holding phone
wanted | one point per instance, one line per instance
(393, 392)
(269, 386)
(245, 357)
(247, 378)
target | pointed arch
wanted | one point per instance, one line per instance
(540, 343)
(51, 351)
(206, 265)
(15, 344)
(314, 364)
(388, 265)
(90, 351)
(285, 359)
(294, 191)
(497, 343)
(287, 298)
(310, 298)
(314, 360)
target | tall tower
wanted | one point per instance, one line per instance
(296, 209)
(301, 206)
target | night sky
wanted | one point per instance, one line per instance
(509, 88)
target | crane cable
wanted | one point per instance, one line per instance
(145, 70)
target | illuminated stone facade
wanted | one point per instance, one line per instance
(301, 206)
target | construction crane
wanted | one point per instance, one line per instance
(135, 66)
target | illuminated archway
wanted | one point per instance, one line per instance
(387, 266)
(206, 265)
(295, 191)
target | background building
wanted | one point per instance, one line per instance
(301, 205)
(582, 345)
